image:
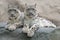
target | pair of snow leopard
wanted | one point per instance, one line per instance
(28, 20)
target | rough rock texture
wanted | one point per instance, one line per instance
(41, 34)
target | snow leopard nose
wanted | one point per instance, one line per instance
(30, 13)
(12, 15)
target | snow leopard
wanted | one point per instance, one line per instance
(15, 19)
(32, 22)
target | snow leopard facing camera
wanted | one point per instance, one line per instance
(33, 21)
(15, 18)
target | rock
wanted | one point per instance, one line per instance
(41, 34)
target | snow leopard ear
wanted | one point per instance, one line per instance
(35, 5)
(25, 4)
(34, 28)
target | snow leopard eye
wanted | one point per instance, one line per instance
(12, 10)
(33, 28)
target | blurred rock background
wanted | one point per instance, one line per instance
(49, 9)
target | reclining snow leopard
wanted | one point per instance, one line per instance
(32, 22)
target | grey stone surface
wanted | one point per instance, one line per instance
(17, 35)
(41, 34)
